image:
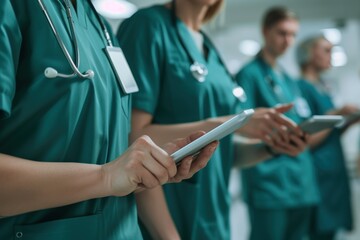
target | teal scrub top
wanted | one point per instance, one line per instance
(62, 120)
(282, 181)
(334, 210)
(169, 92)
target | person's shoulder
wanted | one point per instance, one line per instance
(252, 65)
(308, 89)
(304, 84)
(155, 15)
(251, 68)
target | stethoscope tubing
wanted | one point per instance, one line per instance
(61, 43)
(74, 66)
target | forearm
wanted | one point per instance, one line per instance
(248, 152)
(30, 185)
(154, 214)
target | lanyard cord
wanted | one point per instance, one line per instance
(103, 26)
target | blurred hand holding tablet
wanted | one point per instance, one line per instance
(215, 134)
(318, 123)
(350, 118)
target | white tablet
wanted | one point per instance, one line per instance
(318, 123)
(215, 134)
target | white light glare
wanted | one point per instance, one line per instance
(338, 56)
(333, 35)
(115, 9)
(249, 47)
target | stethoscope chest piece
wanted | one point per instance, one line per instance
(199, 71)
(239, 93)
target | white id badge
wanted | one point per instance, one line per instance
(122, 69)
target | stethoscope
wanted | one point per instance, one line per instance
(198, 70)
(51, 72)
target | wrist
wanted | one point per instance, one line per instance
(104, 183)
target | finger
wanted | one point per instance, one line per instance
(148, 180)
(181, 142)
(298, 142)
(183, 170)
(196, 135)
(272, 130)
(145, 144)
(268, 140)
(284, 133)
(282, 108)
(156, 169)
(203, 157)
(164, 159)
(287, 122)
(275, 137)
(279, 132)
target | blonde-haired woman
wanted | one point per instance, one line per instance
(184, 86)
(334, 210)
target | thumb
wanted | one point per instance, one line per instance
(283, 107)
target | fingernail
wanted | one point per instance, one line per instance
(213, 148)
(188, 163)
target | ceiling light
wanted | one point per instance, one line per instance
(338, 56)
(333, 35)
(115, 9)
(249, 47)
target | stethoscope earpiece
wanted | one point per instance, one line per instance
(50, 72)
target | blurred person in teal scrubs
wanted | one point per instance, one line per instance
(281, 192)
(334, 211)
(66, 171)
(184, 86)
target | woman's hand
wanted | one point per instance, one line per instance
(146, 165)
(192, 164)
(293, 148)
(350, 116)
(345, 110)
(272, 127)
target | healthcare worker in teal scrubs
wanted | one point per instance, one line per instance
(280, 192)
(65, 171)
(183, 86)
(334, 211)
